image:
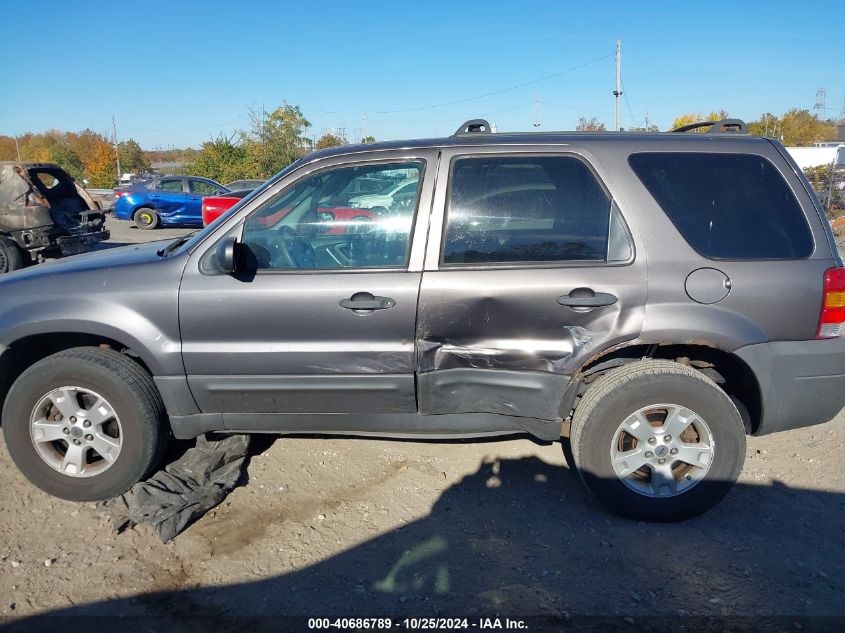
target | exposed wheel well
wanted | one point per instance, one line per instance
(29, 350)
(724, 368)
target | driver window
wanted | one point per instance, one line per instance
(347, 217)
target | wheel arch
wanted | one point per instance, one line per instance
(726, 369)
(27, 350)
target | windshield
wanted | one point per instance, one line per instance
(197, 237)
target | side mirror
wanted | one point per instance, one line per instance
(225, 254)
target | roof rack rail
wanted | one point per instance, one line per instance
(736, 126)
(474, 126)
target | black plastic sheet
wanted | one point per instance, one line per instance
(184, 490)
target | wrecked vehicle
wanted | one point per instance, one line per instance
(44, 213)
(652, 299)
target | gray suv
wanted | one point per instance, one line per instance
(652, 299)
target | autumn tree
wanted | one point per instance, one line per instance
(274, 140)
(8, 151)
(85, 143)
(590, 125)
(100, 166)
(329, 140)
(799, 127)
(52, 147)
(132, 157)
(694, 117)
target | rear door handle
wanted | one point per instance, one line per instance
(366, 301)
(587, 298)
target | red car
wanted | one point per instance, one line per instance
(339, 219)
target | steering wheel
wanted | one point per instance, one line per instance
(289, 250)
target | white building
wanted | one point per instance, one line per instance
(821, 154)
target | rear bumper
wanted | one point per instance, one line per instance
(801, 382)
(76, 244)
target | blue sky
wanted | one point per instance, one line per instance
(176, 73)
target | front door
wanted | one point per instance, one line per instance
(197, 189)
(319, 316)
(534, 273)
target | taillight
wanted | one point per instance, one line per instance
(833, 304)
(120, 194)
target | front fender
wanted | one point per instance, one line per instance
(156, 347)
(128, 294)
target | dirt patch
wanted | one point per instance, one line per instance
(369, 526)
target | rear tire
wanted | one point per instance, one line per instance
(127, 418)
(146, 219)
(11, 256)
(670, 478)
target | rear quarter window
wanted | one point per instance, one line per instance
(727, 206)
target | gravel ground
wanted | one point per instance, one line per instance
(377, 527)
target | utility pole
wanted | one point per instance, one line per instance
(821, 98)
(618, 92)
(17, 148)
(536, 112)
(830, 184)
(364, 118)
(114, 140)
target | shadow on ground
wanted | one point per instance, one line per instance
(522, 537)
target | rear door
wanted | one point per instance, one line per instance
(530, 270)
(169, 196)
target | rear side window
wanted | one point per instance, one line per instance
(170, 185)
(727, 206)
(525, 209)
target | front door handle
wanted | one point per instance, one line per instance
(587, 298)
(366, 301)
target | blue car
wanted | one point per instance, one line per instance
(166, 201)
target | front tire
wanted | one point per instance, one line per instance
(85, 424)
(657, 441)
(146, 219)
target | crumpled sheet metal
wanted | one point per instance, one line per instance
(517, 354)
(184, 490)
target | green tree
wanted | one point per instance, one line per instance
(799, 127)
(132, 157)
(329, 140)
(52, 147)
(590, 125)
(826, 181)
(368, 139)
(220, 159)
(767, 125)
(274, 140)
(651, 127)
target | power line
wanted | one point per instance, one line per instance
(456, 119)
(576, 108)
(633, 118)
(498, 92)
(187, 129)
(400, 110)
